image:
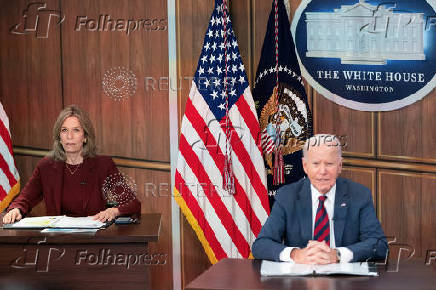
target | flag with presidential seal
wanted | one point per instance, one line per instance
(281, 102)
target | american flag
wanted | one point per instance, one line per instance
(226, 223)
(9, 178)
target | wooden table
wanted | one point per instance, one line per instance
(245, 274)
(113, 258)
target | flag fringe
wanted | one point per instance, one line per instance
(195, 226)
(12, 193)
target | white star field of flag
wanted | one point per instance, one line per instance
(218, 54)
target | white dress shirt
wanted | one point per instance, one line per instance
(329, 204)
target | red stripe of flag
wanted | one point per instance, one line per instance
(3, 193)
(226, 219)
(247, 164)
(216, 154)
(9, 175)
(264, 142)
(270, 147)
(245, 205)
(198, 214)
(4, 133)
(250, 120)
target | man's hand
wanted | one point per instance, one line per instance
(333, 253)
(13, 215)
(107, 215)
(315, 253)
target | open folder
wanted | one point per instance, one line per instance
(269, 268)
(63, 222)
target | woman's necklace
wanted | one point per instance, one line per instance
(75, 166)
(74, 170)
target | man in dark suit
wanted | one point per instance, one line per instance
(321, 219)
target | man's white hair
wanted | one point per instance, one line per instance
(322, 139)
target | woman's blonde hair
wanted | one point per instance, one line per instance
(89, 148)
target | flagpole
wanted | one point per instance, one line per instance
(174, 141)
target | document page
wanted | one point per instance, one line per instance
(269, 268)
(40, 222)
(69, 231)
(357, 268)
(56, 222)
(78, 223)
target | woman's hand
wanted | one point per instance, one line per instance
(107, 214)
(13, 215)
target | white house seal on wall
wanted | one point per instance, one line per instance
(365, 34)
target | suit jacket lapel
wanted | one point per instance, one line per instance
(304, 211)
(340, 212)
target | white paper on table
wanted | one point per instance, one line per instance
(269, 268)
(40, 222)
(78, 223)
(68, 231)
(56, 222)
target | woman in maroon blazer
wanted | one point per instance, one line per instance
(72, 179)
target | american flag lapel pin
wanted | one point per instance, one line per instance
(343, 204)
